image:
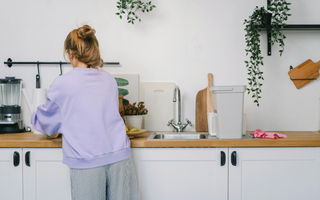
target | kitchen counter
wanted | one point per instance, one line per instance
(294, 139)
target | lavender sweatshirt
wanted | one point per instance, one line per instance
(83, 106)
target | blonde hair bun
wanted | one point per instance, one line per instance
(85, 32)
(84, 45)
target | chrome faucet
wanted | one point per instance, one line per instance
(179, 126)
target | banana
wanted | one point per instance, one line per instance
(132, 128)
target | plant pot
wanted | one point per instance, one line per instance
(268, 20)
(133, 120)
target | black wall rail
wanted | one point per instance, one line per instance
(9, 63)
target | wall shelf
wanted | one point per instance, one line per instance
(287, 27)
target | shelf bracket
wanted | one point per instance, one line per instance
(269, 33)
(269, 42)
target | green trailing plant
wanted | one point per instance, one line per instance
(130, 8)
(253, 25)
(280, 13)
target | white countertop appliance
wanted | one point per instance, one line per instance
(10, 105)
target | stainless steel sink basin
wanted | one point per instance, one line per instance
(178, 136)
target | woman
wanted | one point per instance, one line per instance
(83, 105)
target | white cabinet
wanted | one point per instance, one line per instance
(248, 174)
(40, 174)
(181, 173)
(176, 173)
(274, 173)
(47, 178)
(11, 175)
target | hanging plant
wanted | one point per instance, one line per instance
(263, 18)
(279, 10)
(130, 8)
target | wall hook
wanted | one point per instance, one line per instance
(38, 77)
(60, 68)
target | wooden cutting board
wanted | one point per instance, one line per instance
(201, 107)
(304, 73)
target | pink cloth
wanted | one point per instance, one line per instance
(259, 133)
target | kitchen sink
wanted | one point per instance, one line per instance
(178, 136)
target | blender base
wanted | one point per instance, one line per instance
(10, 128)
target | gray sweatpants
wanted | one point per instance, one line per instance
(116, 181)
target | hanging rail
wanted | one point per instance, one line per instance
(9, 63)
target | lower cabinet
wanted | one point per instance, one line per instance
(181, 173)
(247, 174)
(11, 174)
(274, 173)
(33, 173)
(176, 173)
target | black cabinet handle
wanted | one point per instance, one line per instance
(223, 158)
(27, 158)
(234, 158)
(16, 159)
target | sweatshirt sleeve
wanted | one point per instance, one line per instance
(47, 118)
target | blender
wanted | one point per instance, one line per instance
(10, 105)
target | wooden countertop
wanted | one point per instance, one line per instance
(294, 139)
(28, 139)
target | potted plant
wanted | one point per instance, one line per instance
(131, 7)
(133, 114)
(274, 20)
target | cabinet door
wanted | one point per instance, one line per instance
(181, 173)
(274, 173)
(46, 178)
(11, 173)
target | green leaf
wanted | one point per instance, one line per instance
(123, 92)
(122, 82)
(125, 102)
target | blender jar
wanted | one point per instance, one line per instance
(10, 92)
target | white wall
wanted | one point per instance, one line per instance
(180, 41)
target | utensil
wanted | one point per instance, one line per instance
(210, 108)
(201, 107)
(304, 73)
(38, 98)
